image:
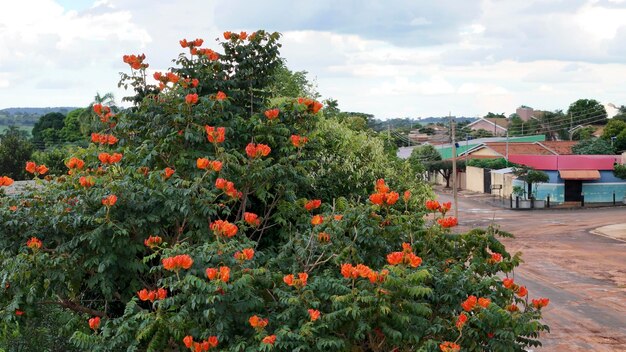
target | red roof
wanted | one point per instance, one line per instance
(567, 162)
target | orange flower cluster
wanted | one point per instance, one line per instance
(205, 345)
(19, 313)
(323, 237)
(406, 196)
(495, 258)
(107, 158)
(220, 96)
(298, 141)
(312, 204)
(104, 112)
(228, 188)
(86, 181)
(5, 181)
(257, 150)
(94, 323)
(109, 200)
(521, 291)
(190, 82)
(461, 320)
(191, 99)
(33, 243)
(135, 61)
(152, 295)
(470, 303)
(434, 206)
(224, 228)
(244, 254)
(181, 261)
(405, 257)
(241, 35)
(33, 168)
(251, 219)
(448, 222)
(212, 55)
(168, 172)
(382, 195)
(258, 322)
(215, 135)
(271, 114)
(317, 220)
(191, 43)
(269, 340)
(206, 164)
(314, 314)
(540, 302)
(300, 282)
(165, 79)
(223, 273)
(448, 346)
(153, 241)
(312, 106)
(75, 163)
(363, 271)
(103, 138)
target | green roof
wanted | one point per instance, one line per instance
(446, 152)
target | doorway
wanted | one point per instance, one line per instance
(573, 190)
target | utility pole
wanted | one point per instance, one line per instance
(454, 190)
(507, 148)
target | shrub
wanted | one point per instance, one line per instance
(200, 228)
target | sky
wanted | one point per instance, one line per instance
(390, 58)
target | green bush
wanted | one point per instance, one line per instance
(147, 246)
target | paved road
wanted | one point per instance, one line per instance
(583, 274)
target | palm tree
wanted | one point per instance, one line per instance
(88, 120)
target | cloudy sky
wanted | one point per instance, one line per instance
(391, 58)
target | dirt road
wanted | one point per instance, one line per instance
(583, 274)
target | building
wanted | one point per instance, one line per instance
(502, 149)
(497, 126)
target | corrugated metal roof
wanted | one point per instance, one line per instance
(567, 162)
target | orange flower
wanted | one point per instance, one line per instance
(257, 150)
(188, 341)
(107, 158)
(317, 220)
(251, 219)
(243, 35)
(182, 261)
(271, 114)
(338, 217)
(346, 270)
(87, 181)
(19, 313)
(448, 222)
(109, 200)
(312, 204)
(381, 187)
(75, 163)
(152, 295)
(245, 254)
(288, 279)
(191, 99)
(469, 303)
(300, 282)
(323, 237)
(445, 207)
(220, 96)
(215, 135)
(311, 105)
(392, 198)
(224, 228)
(507, 283)
(413, 260)
(33, 243)
(31, 167)
(395, 258)
(484, 302)
(461, 320)
(153, 241)
(168, 172)
(135, 61)
(42, 169)
(5, 181)
(94, 323)
(432, 205)
(448, 346)
(512, 308)
(496, 257)
(220, 183)
(406, 196)
(269, 340)
(314, 314)
(522, 291)
(298, 141)
(202, 163)
(257, 322)
(216, 165)
(227, 35)
(377, 198)
(540, 302)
